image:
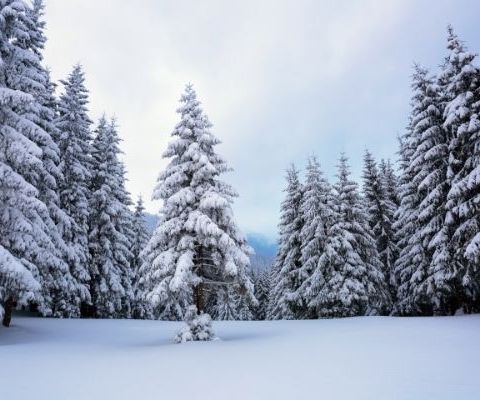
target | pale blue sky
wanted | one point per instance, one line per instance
(280, 80)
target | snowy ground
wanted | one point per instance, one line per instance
(357, 358)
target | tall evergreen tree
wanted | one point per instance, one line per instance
(263, 287)
(60, 294)
(74, 142)
(197, 251)
(125, 226)
(110, 256)
(456, 262)
(381, 211)
(406, 218)
(425, 174)
(33, 238)
(140, 308)
(389, 181)
(285, 303)
(317, 214)
(141, 235)
(28, 234)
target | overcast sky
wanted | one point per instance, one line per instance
(280, 80)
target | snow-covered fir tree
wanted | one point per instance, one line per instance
(28, 234)
(390, 183)
(125, 227)
(197, 248)
(422, 211)
(263, 286)
(405, 225)
(109, 241)
(456, 265)
(284, 302)
(60, 294)
(381, 211)
(74, 142)
(317, 214)
(140, 308)
(141, 234)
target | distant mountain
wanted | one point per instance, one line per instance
(265, 248)
(265, 251)
(262, 245)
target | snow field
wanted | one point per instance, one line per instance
(355, 358)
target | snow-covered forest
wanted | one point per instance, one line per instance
(405, 241)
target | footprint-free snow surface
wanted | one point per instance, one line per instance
(356, 358)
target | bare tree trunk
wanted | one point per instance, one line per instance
(8, 310)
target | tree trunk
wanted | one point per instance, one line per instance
(87, 310)
(7, 316)
(199, 298)
(198, 295)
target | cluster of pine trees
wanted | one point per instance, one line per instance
(409, 244)
(69, 242)
(329, 262)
